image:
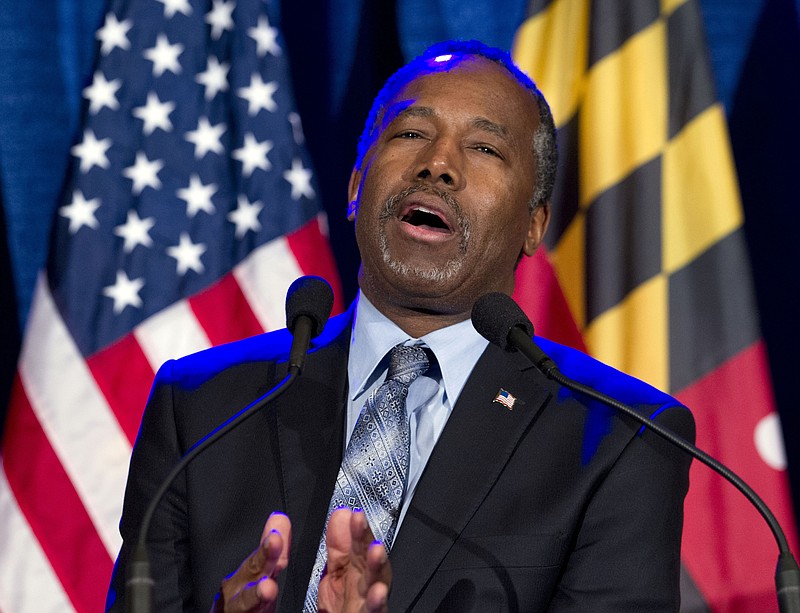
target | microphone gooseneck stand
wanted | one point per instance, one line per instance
(139, 584)
(308, 306)
(502, 322)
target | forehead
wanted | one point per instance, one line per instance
(470, 85)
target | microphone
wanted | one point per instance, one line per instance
(308, 306)
(502, 322)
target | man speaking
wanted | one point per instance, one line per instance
(487, 486)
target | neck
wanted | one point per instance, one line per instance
(416, 321)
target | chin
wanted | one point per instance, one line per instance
(448, 271)
(421, 269)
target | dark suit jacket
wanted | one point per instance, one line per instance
(558, 504)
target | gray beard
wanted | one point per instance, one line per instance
(451, 267)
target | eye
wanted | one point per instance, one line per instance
(487, 149)
(408, 134)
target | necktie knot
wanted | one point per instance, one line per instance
(406, 363)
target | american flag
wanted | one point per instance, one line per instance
(505, 398)
(189, 209)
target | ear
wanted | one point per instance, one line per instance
(352, 193)
(540, 218)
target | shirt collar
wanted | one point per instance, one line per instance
(456, 347)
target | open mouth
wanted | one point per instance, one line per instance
(422, 217)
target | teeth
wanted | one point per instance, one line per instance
(421, 209)
(425, 217)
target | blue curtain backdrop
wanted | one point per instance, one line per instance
(341, 50)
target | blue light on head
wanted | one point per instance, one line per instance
(440, 59)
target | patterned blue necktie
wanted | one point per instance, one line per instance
(374, 469)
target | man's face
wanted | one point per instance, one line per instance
(441, 201)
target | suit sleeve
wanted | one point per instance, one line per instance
(626, 556)
(155, 453)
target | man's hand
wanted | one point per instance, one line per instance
(358, 575)
(252, 588)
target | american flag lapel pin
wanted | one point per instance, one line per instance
(505, 398)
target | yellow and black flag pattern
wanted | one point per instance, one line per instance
(647, 247)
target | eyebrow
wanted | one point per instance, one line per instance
(480, 123)
(405, 109)
(490, 126)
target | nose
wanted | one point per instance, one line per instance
(440, 163)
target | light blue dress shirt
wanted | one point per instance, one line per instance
(430, 398)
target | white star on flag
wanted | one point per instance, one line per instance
(198, 196)
(266, 37)
(124, 292)
(206, 138)
(155, 114)
(114, 34)
(187, 255)
(102, 93)
(164, 56)
(245, 216)
(80, 212)
(144, 173)
(176, 6)
(300, 179)
(157, 250)
(135, 231)
(92, 152)
(220, 18)
(214, 78)
(253, 154)
(258, 95)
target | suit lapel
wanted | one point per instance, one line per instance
(310, 424)
(479, 438)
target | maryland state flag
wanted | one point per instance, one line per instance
(646, 267)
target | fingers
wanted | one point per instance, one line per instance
(378, 567)
(278, 524)
(252, 588)
(377, 598)
(339, 540)
(262, 591)
(360, 535)
(378, 578)
(348, 539)
(358, 574)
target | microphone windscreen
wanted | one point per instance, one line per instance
(310, 296)
(495, 314)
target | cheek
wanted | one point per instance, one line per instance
(375, 188)
(499, 230)
(504, 211)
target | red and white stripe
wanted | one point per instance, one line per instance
(72, 422)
